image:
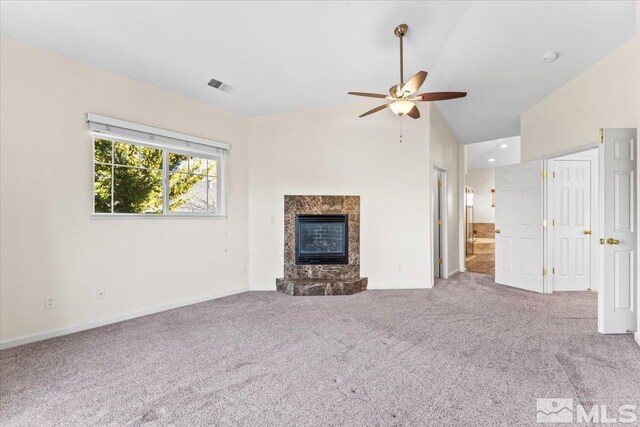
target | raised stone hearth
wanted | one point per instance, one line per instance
(322, 279)
(321, 286)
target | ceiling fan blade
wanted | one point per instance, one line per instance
(375, 110)
(439, 96)
(414, 113)
(370, 95)
(414, 82)
(394, 91)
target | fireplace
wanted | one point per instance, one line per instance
(321, 246)
(322, 239)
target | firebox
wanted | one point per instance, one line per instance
(322, 239)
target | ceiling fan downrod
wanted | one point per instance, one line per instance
(400, 31)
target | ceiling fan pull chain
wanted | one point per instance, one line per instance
(400, 131)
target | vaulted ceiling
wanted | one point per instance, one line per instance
(284, 56)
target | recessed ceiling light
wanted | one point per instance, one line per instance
(550, 56)
(503, 146)
(492, 159)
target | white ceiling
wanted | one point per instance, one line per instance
(503, 151)
(284, 56)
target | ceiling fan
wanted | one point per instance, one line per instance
(402, 95)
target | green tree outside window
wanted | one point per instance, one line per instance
(128, 178)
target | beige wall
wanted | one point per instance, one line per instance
(604, 95)
(482, 181)
(444, 152)
(50, 244)
(332, 151)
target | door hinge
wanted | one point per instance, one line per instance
(544, 271)
(439, 222)
(543, 174)
(553, 175)
(439, 183)
(553, 270)
(439, 260)
(553, 222)
(601, 135)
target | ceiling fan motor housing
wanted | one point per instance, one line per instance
(401, 30)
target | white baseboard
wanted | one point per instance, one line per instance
(637, 337)
(407, 286)
(26, 339)
(453, 273)
(263, 288)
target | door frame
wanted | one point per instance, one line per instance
(462, 181)
(584, 152)
(444, 236)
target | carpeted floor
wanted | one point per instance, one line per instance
(467, 352)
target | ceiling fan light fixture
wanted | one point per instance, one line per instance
(401, 107)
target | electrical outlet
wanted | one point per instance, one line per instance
(49, 303)
(100, 294)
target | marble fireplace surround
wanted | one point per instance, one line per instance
(334, 279)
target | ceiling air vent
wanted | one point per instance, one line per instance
(217, 84)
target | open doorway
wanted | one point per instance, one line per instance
(480, 162)
(480, 221)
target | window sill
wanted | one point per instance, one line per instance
(157, 216)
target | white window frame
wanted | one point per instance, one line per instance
(169, 142)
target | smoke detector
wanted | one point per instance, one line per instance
(550, 56)
(217, 84)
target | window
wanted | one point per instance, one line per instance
(141, 178)
(192, 184)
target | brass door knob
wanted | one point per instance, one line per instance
(498, 231)
(611, 241)
(586, 232)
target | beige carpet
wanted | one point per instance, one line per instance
(467, 353)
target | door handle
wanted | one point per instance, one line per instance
(497, 231)
(587, 232)
(609, 241)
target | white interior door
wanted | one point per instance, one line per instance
(571, 222)
(519, 252)
(618, 222)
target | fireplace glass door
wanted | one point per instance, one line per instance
(322, 239)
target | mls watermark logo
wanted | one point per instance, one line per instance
(563, 410)
(555, 410)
